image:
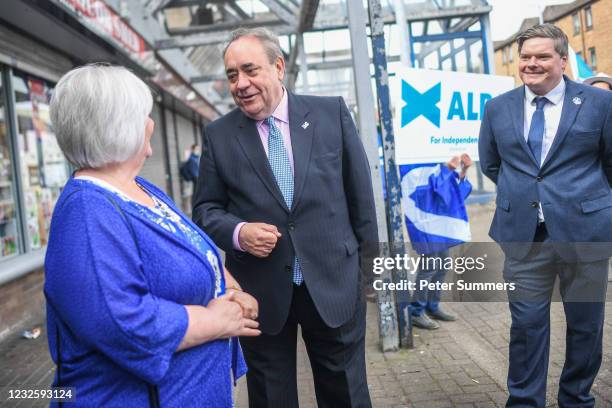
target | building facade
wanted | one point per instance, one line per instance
(588, 28)
(39, 42)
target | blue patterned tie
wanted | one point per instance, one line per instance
(536, 129)
(281, 167)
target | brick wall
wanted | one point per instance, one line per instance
(21, 300)
(598, 37)
(510, 66)
(575, 40)
(601, 35)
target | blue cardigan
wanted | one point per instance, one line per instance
(118, 307)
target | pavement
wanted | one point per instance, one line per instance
(462, 364)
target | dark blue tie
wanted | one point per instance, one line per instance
(536, 130)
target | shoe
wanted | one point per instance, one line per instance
(442, 315)
(424, 322)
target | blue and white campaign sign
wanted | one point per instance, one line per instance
(438, 113)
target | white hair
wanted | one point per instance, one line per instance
(99, 114)
(268, 39)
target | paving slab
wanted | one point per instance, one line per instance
(462, 364)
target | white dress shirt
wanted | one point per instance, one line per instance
(552, 114)
(552, 117)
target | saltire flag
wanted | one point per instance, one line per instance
(579, 67)
(433, 201)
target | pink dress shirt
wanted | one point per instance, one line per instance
(281, 119)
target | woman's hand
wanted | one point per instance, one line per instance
(220, 319)
(228, 310)
(249, 305)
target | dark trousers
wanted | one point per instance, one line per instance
(337, 358)
(425, 300)
(583, 289)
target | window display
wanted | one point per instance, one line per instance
(8, 216)
(44, 169)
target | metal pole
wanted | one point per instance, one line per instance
(453, 54)
(164, 135)
(411, 43)
(394, 210)
(468, 58)
(387, 317)
(24, 242)
(541, 13)
(487, 45)
(303, 63)
(402, 25)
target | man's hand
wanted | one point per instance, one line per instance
(258, 238)
(249, 305)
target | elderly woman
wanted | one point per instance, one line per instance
(136, 304)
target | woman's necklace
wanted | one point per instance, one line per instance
(165, 211)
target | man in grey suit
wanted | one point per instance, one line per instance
(548, 147)
(286, 192)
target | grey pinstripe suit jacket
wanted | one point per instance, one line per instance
(332, 215)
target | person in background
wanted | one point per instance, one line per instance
(193, 163)
(444, 196)
(140, 311)
(190, 169)
(600, 80)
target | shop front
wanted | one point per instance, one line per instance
(39, 42)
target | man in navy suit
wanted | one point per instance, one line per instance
(548, 147)
(286, 192)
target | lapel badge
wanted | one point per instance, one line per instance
(577, 100)
(305, 125)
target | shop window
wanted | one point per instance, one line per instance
(9, 239)
(576, 23)
(510, 55)
(44, 170)
(588, 18)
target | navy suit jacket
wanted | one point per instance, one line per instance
(332, 214)
(573, 183)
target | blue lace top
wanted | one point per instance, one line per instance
(117, 275)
